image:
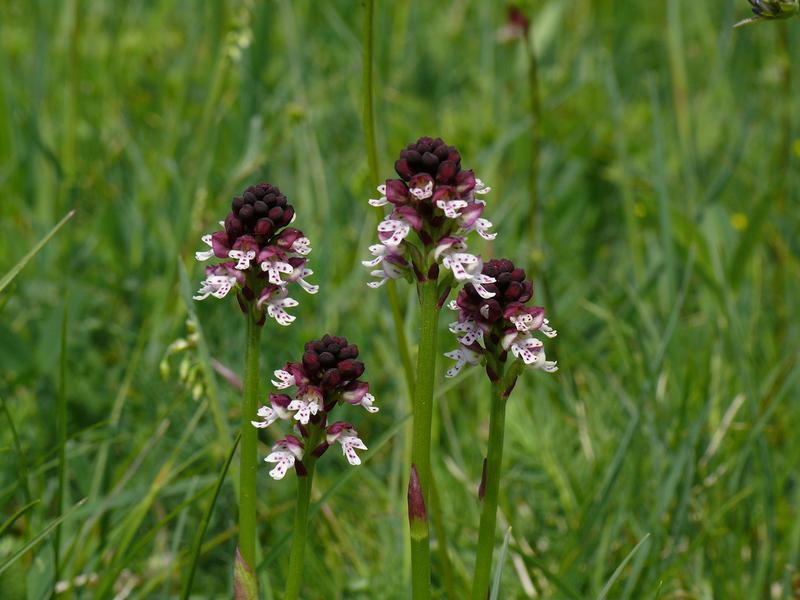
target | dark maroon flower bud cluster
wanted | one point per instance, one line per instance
(260, 211)
(510, 288)
(326, 376)
(431, 156)
(492, 326)
(331, 362)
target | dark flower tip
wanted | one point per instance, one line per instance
(330, 362)
(260, 211)
(510, 286)
(431, 156)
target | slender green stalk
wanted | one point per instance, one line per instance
(372, 160)
(536, 141)
(421, 441)
(61, 426)
(248, 458)
(300, 532)
(494, 459)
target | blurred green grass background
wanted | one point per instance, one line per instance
(666, 254)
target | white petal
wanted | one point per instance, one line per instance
(285, 379)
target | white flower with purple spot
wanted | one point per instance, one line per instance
(347, 436)
(285, 453)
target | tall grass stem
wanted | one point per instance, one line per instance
(536, 143)
(61, 427)
(372, 160)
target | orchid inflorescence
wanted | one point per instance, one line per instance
(487, 328)
(326, 376)
(436, 199)
(262, 255)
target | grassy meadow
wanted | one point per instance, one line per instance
(660, 461)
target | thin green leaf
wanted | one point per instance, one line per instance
(9, 277)
(618, 571)
(38, 537)
(197, 544)
(10, 521)
(498, 571)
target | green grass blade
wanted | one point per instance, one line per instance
(9, 277)
(498, 571)
(618, 571)
(61, 431)
(38, 538)
(197, 544)
(10, 521)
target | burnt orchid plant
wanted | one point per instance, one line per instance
(327, 376)
(499, 333)
(258, 258)
(435, 205)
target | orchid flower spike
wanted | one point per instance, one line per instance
(488, 328)
(434, 206)
(327, 376)
(261, 255)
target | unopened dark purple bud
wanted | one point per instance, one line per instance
(264, 227)
(288, 213)
(246, 213)
(513, 291)
(233, 226)
(518, 275)
(350, 351)
(260, 209)
(311, 362)
(431, 162)
(327, 360)
(249, 197)
(447, 170)
(237, 203)
(331, 379)
(275, 213)
(351, 369)
(403, 169)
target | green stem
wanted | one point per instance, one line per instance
(300, 532)
(421, 441)
(248, 458)
(494, 459)
(372, 161)
(536, 141)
